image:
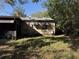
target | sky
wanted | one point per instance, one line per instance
(30, 8)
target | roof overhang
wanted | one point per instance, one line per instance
(6, 21)
(36, 19)
(40, 21)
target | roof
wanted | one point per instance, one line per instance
(7, 19)
(36, 19)
(11, 19)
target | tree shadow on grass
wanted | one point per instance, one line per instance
(74, 42)
(33, 43)
(30, 48)
(3, 41)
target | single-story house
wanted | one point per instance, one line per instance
(18, 27)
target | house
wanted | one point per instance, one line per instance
(34, 26)
(18, 27)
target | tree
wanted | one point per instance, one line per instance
(13, 2)
(17, 5)
(41, 14)
(19, 11)
(66, 14)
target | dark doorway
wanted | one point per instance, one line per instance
(5, 28)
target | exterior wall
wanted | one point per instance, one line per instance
(18, 28)
(27, 28)
(46, 28)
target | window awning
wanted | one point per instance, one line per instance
(6, 21)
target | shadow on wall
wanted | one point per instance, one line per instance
(27, 31)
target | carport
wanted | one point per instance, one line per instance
(9, 27)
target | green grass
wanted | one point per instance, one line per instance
(45, 48)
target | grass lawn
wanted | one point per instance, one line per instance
(44, 48)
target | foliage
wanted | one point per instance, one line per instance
(65, 12)
(13, 2)
(41, 14)
(19, 11)
(35, 0)
(17, 6)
